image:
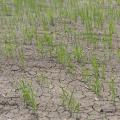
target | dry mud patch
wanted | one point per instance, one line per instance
(50, 107)
(12, 106)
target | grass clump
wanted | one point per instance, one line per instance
(62, 55)
(78, 53)
(29, 34)
(96, 86)
(113, 90)
(39, 46)
(44, 44)
(96, 83)
(9, 48)
(21, 57)
(64, 58)
(28, 95)
(95, 66)
(69, 101)
(48, 41)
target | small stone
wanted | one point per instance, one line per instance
(96, 99)
(15, 68)
(108, 110)
(32, 73)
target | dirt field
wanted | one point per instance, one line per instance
(47, 75)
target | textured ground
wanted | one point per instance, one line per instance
(48, 95)
(50, 107)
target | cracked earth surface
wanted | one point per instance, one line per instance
(48, 96)
(12, 106)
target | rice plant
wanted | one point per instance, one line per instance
(95, 66)
(62, 55)
(113, 90)
(50, 16)
(48, 39)
(28, 95)
(96, 86)
(64, 58)
(96, 82)
(29, 34)
(111, 32)
(69, 101)
(44, 21)
(21, 57)
(39, 44)
(9, 48)
(78, 53)
(111, 27)
(103, 72)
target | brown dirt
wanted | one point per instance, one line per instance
(48, 97)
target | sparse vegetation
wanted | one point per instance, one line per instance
(28, 95)
(69, 101)
(54, 42)
(113, 90)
